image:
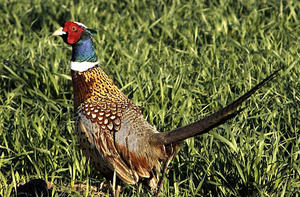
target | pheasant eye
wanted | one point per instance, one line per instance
(74, 28)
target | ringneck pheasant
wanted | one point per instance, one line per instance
(112, 131)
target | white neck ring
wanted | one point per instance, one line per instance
(82, 66)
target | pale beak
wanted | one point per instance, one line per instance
(59, 32)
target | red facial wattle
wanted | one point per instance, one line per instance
(73, 31)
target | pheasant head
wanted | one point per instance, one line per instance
(79, 37)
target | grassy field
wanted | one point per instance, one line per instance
(179, 61)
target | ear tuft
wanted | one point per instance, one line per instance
(91, 31)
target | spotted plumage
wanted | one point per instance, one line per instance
(111, 129)
(98, 98)
(101, 108)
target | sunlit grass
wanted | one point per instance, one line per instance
(178, 61)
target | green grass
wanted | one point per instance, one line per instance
(178, 61)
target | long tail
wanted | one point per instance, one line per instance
(209, 122)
